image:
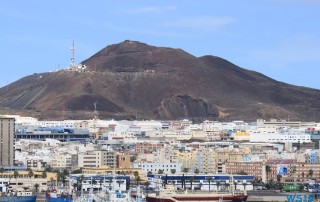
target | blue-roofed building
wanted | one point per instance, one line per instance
(62, 134)
(203, 182)
(98, 182)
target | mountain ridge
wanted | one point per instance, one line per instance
(134, 80)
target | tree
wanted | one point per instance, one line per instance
(100, 182)
(160, 171)
(268, 170)
(135, 173)
(15, 174)
(149, 173)
(279, 178)
(218, 185)
(244, 186)
(293, 169)
(173, 171)
(25, 188)
(2, 170)
(110, 181)
(138, 179)
(310, 172)
(48, 169)
(66, 172)
(44, 175)
(209, 179)
(30, 173)
(191, 179)
(133, 158)
(36, 186)
(196, 171)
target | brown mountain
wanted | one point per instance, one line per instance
(135, 80)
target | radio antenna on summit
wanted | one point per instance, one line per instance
(72, 52)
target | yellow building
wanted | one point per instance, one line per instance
(113, 171)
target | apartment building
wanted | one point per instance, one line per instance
(123, 160)
(155, 167)
(148, 147)
(96, 158)
(61, 161)
(251, 168)
(7, 126)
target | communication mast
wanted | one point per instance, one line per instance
(72, 52)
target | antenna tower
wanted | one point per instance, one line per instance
(72, 52)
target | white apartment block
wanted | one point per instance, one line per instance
(61, 161)
(97, 158)
(281, 135)
(155, 167)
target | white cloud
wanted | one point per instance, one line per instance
(207, 22)
(148, 9)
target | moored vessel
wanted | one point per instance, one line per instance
(18, 197)
(170, 194)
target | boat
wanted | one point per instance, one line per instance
(18, 197)
(170, 194)
(54, 196)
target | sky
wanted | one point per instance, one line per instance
(279, 38)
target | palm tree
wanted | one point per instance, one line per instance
(2, 170)
(244, 186)
(36, 186)
(30, 173)
(191, 179)
(279, 178)
(15, 174)
(268, 170)
(44, 175)
(183, 181)
(209, 179)
(110, 181)
(310, 173)
(218, 185)
(138, 179)
(100, 182)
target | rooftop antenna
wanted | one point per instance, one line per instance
(72, 52)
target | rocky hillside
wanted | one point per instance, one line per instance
(135, 80)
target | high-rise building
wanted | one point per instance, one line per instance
(6, 141)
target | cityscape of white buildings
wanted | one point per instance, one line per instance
(170, 147)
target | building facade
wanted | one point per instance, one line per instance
(6, 141)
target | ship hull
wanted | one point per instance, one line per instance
(59, 199)
(18, 198)
(237, 198)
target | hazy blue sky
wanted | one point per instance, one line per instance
(279, 38)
